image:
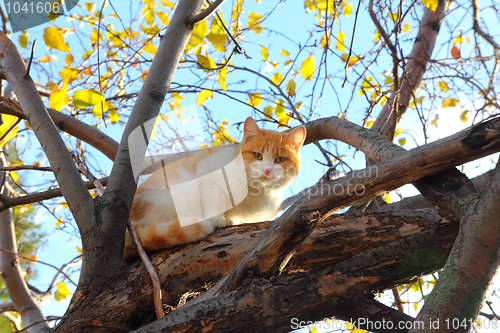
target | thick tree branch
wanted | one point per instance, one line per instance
(13, 70)
(273, 250)
(75, 127)
(340, 238)
(414, 70)
(313, 289)
(468, 273)
(11, 274)
(206, 13)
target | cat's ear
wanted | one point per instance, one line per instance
(296, 138)
(251, 129)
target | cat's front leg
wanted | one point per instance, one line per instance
(218, 221)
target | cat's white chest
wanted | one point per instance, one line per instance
(256, 207)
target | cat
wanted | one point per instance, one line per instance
(270, 161)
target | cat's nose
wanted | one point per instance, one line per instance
(267, 171)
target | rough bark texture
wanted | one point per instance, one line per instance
(385, 248)
(346, 260)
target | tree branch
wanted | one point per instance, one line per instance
(73, 126)
(76, 194)
(273, 250)
(468, 272)
(11, 273)
(193, 19)
(414, 70)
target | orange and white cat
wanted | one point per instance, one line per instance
(270, 161)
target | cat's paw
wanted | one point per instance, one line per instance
(218, 221)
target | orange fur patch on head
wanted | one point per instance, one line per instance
(274, 142)
(139, 209)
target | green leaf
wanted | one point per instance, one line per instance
(87, 97)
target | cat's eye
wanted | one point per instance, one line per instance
(257, 155)
(279, 160)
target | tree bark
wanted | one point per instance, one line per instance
(351, 243)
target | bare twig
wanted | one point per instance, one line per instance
(40, 262)
(151, 271)
(25, 167)
(85, 171)
(31, 57)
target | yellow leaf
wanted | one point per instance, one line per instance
(177, 96)
(205, 62)
(288, 63)
(69, 59)
(264, 52)
(352, 60)
(268, 111)
(221, 78)
(87, 97)
(458, 40)
(199, 32)
(58, 222)
(417, 101)
(435, 120)
(62, 291)
(449, 102)
(113, 116)
(203, 96)
(8, 122)
(59, 97)
(324, 41)
(290, 87)
(467, 39)
(443, 86)
(150, 48)
(415, 305)
(406, 28)
(388, 79)
(307, 69)
(44, 59)
(370, 122)
(23, 39)
(285, 53)
(253, 22)
(218, 41)
(376, 35)
(463, 116)
(347, 9)
(402, 141)
(254, 100)
(163, 17)
(69, 75)
(313, 330)
(97, 110)
(150, 16)
(399, 130)
(167, 3)
(394, 17)
(277, 78)
(144, 74)
(54, 39)
(431, 4)
(340, 41)
(79, 249)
